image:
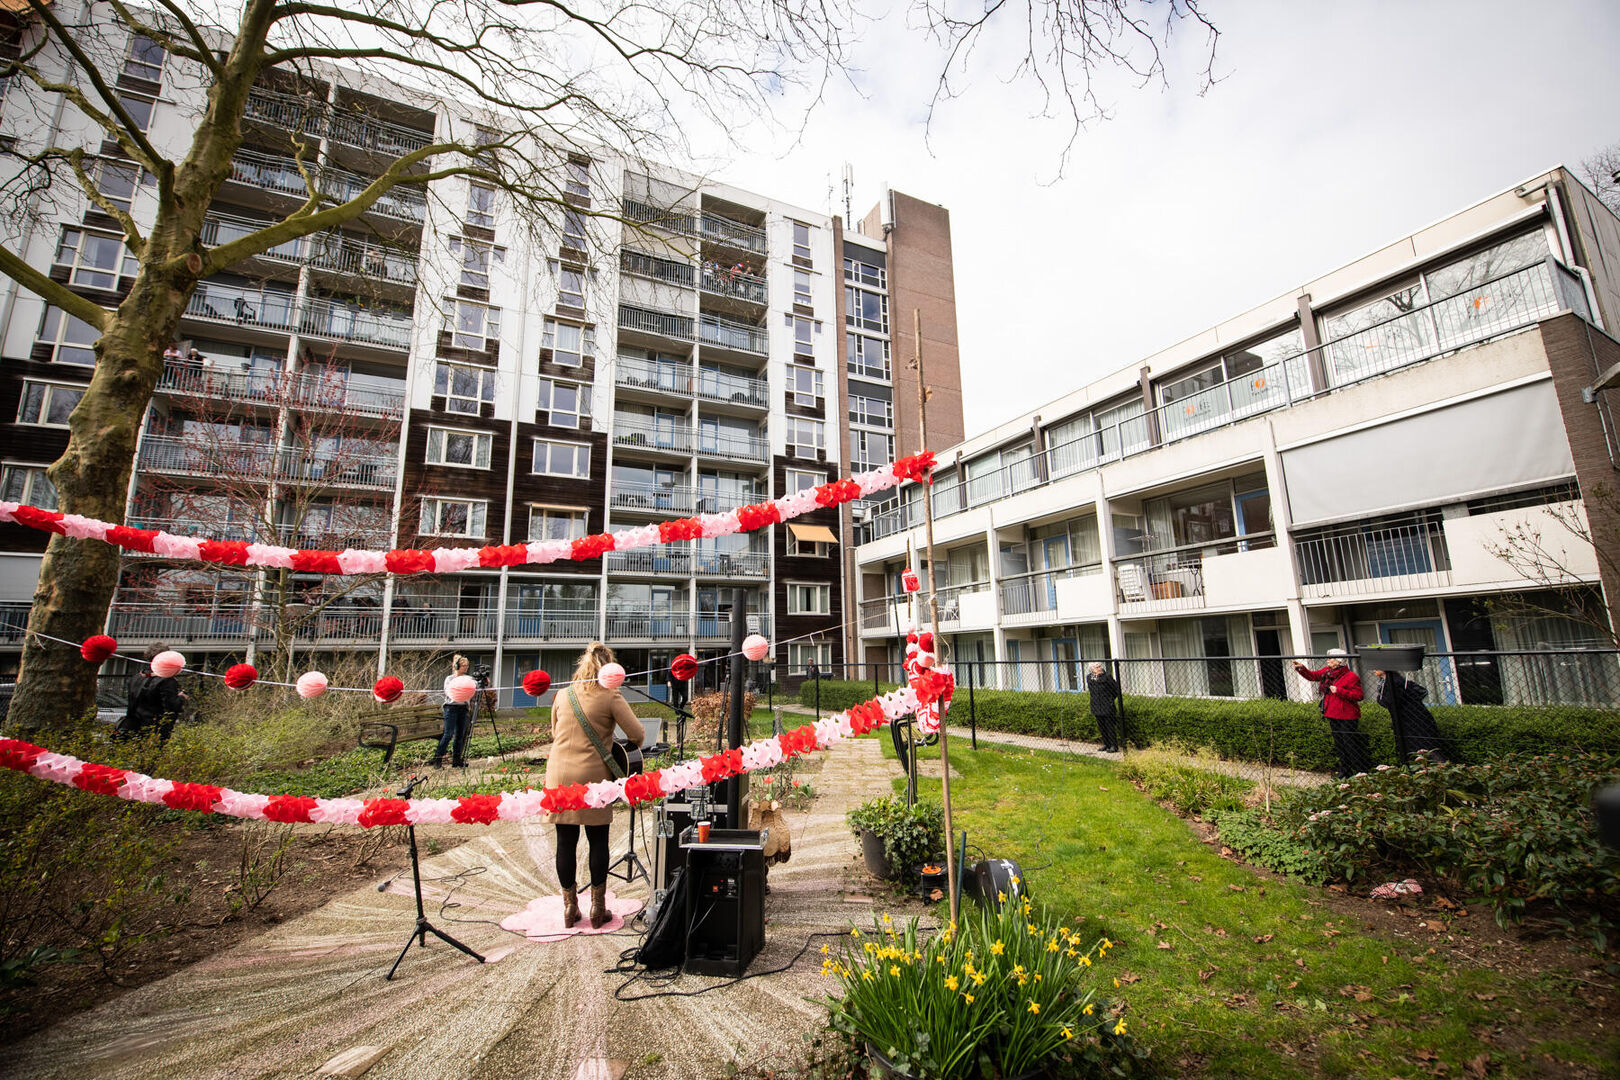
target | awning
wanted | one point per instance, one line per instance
(810, 533)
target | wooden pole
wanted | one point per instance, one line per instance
(933, 613)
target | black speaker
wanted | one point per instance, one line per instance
(725, 901)
(993, 882)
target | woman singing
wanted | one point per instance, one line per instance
(583, 717)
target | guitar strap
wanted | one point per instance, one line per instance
(596, 740)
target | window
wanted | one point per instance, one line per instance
(27, 484)
(475, 260)
(804, 332)
(1487, 265)
(464, 387)
(801, 241)
(816, 549)
(573, 229)
(116, 181)
(94, 259)
(144, 59)
(552, 523)
(864, 273)
(453, 517)
(578, 173)
(866, 310)
(805, 437)
(471, 325)
(868, 357)
(72, 339)
(562, 459)
(570, 285)
(805, 599)
(801, 287)
(139, 109)
(481, 205)
(48, 404)
(805, 385)
(799, 479)
(869, 410)
(802, 655)
(870, 449)
(465, 448)
(569, 344)
(568, 403)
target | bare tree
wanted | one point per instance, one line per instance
(1549, 550)
(1601, 172)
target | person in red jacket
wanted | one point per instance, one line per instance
(1339, 693)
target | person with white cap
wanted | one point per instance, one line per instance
(1339, 694)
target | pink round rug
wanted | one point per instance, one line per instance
(542, 920)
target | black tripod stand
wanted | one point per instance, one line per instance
(423, 928)
(476, 705)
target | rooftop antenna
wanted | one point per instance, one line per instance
(849, 190)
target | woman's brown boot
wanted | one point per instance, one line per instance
(570, 907)
(599, 911)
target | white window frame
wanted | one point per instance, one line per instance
(105, 166)
(574, 232)
(143, 66)
(566, 296)
(494, 255)
(859, 366)
(798, 376)
(808, 549)
(860, 449)
(489, 320)
(794, 322)
(794, 431)
(587, 343)
(581, 457)
(852, 306)
(51, 389)
(578, 173)
(33, 483)
(438, 440)
(860, 272)
(577, 517)
(802, 295)
(801, 248)
(820, 654)
(861, 411)
(455, 403)
(482, 217)
(821, 590)
(477, 517)
(86, 274)
(53, 328)
(128, 98)
(791, 478)
(582, 402)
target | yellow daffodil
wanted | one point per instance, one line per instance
(1107, 944)
(1023, 980)
(1013, 878)
(1071, 953)
(978, 979)
(886, 919)
(998, 948)
(941, 958)
(1018, 969)
(1001, 897)
(1035, 1007)
(894, 969)
(1116, 984)
(1034, 931)
(854, 931)
(867, 975)
(825, 949)
(1067, 1034)
(1088, 1010)
(951, 982)
(1052, 946)
(968, 998)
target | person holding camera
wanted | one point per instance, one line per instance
(1106, 700)
(456, 721)
(1339, 694)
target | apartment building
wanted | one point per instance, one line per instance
(445, 372)
(1339, 466)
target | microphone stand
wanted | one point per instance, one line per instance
(423, 928)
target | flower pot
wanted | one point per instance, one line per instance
(1390, 657)
(877, 861)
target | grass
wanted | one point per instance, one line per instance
(1237, 974)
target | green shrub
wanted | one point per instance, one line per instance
(1259, 840)
(1518, 831)
(1184, 779)
(910, 834)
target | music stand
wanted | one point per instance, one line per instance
(423, 928)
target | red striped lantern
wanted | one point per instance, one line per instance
(97, 648)
(684, 667)
(241, 676)
(536, 683)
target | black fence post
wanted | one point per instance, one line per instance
(875, 672)
(973, 711)
(816, 672)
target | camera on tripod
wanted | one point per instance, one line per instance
(481, 674)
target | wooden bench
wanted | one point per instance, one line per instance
(408, 723)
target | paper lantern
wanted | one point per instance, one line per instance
(536, 683)
(910, 580)
(461, 689)
(311, 684)
(241, 676)
(611, 676)
(97, 648)
(684, 667)
(387, 689)
(755, 647)
(168, 664)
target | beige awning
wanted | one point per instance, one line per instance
(809, 533)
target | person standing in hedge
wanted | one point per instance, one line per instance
(1404, 700)
(1106, 706)
(1339, 694)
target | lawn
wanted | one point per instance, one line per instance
(1230, 971)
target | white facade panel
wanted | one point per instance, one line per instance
(1473, 542)
(1257, 579)
(1088, 598)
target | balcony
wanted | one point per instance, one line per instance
(356, 395)
(878, 614)
(190, 380)
(733, 563)
(1361, 560)
(716, 625)
(682, 222)
(646, 435)
(313, 535)
(660, 560)
(343, 321)
(268, 172)
(206, 530)
(667, 376)
(312, 117)
(727, 334)
(748, 288)
(669, 271)
(340, 468)
(653, 499)
(407, 204)
(646, 623)
(731, 447)
(239, 305)
(440, 624)
(193, 457)
(732, 389)
(345, 254)
(174, 624)
(341, 621)
(658, 323)
(1173, 579)
(577, 623)
(1026, 599)
(14, 620)
(732, 234)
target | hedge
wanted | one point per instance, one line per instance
(1284, 732)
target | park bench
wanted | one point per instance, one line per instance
(402, 724)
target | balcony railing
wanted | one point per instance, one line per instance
(652, 436)
(736, 286)
(312, 117)
(212, 530)
(338, 468)
(667, 375)
(1488, 310)
(400, 203)
(663, 323)
(1174, 577)
(733, 447)
(653, 498)
(313, 535)
(683, 222)
(215, 383)
(878, 613)
(1374, 559)
(733, 234)
(551, 623)
(733, 563)
(218, 302)
(173, 624)
(660, 560)
(1029, 597)
(669, 271)
(729, 334)
(646, 623)
(736, 389)
(355, 394)
(280, 174)
(193, 457)
(350, 322)
(365, 258)
(716, 626)
(441, 624)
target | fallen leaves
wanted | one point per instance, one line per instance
(1237, 888)
(1167, 946)
(1264, 938)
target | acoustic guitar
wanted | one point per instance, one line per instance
(627, 755)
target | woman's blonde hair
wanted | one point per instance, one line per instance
(591, 660)
(456, 661)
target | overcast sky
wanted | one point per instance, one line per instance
(1335, 129)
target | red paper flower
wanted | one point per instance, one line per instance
(99, 779)
(383, 812)
(932, 686)
(18, 755)
(568, 797)
(47, 520)
(476, 809)
(592, 547)
(387, 689)
(409, 561)
(918, 467)
(503, 555)
(757, 516)
(200, 797)
(229, 552)
(684, 667)
(241, 676)
(97, 648)
(925, 641)
(536, 683)
(288, 809)
(643, 787)
(317, 562)
(800, 740)
(133, 539)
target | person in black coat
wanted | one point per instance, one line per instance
(1404, 700)
(1106, 706)
(154, 701)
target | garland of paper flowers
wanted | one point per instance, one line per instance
(749, 518)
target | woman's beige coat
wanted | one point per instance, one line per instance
(573, 759)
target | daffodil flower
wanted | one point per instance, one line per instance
(1035, 1007)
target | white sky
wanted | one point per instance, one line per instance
(1336, 129)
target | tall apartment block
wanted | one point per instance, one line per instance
(1343, 465)
(441, 372)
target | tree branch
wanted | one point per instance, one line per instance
(52, 292)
